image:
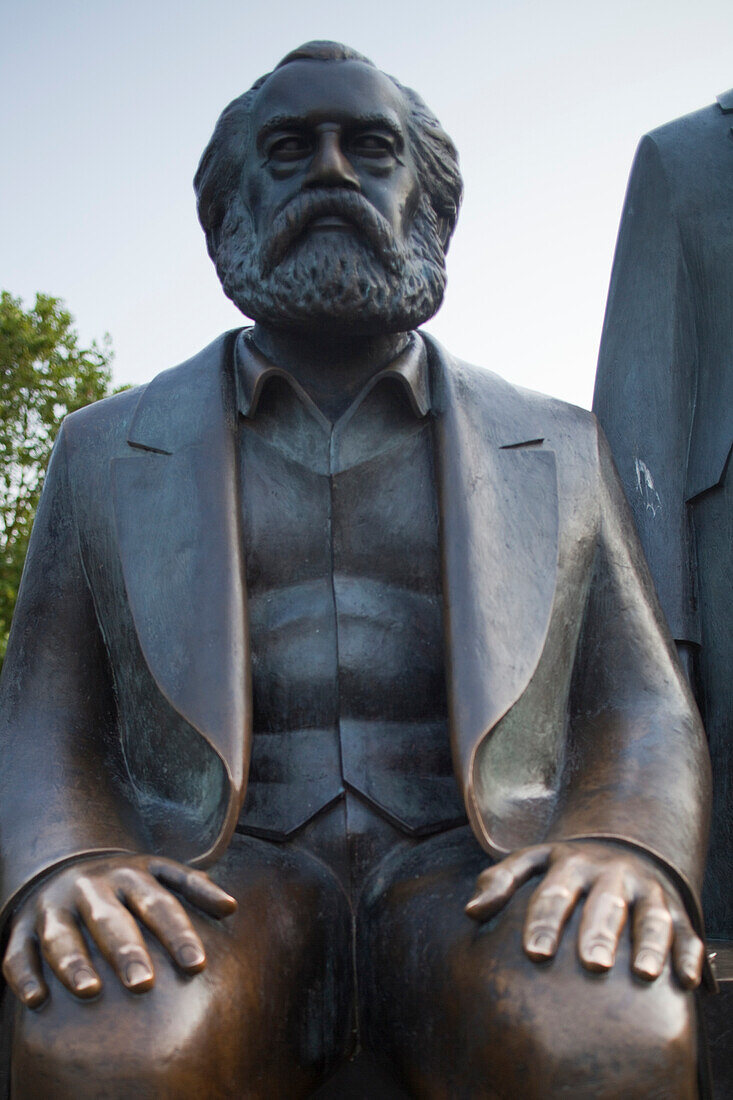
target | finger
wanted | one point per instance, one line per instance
(604, 915)
(65, 951)
(688, 950)
(116, 933)
(549, 909)
(497, 884)
(195, 886)
(651, 934)
(167, 919)
(22, 967)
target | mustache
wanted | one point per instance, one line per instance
(306, 207)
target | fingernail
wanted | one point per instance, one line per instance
(541, 943)
(30, 991)
(477, 909)
(691, 970)
(648, 961)
(189, 956)
(84, 979)
(137, 973)
(601, 956)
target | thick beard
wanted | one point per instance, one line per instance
(335, 279)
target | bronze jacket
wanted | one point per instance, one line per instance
(125, 698)
(664, 388)
(664, 397)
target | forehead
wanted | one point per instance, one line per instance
(339, 91)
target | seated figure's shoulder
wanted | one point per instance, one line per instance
(104, 426)
(514, 415)
(103, 423)
(569, 430)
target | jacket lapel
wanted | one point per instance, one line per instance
(177, 514)
(498, 500)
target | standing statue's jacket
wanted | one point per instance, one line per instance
(664, 397)
(125, 700)
(664, 388)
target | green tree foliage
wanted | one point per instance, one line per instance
(44, 374)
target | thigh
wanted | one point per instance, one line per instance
(461, 1012)
(269, 1017)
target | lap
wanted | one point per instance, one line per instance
(455, 1008)
(269, 1016)
(460, 1011)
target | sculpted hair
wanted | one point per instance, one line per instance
(219, 170)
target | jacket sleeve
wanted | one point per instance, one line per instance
(645, 385)
(636, 765)
(62, 781)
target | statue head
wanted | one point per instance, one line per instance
(328, 194)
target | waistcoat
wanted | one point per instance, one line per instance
(341, 542)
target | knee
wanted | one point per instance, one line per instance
(230, 1030)
(268, 1017)
(555, 1030)
(174, 1041)
(460, 1009)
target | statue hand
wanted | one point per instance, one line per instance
(104, 895)
(613, 880)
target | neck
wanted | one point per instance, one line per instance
(331, 367)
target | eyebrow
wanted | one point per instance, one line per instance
(284, 122)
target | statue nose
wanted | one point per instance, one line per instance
(329, 167)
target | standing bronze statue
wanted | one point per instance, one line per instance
(366, 632)
(664, 396)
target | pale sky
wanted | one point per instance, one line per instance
(107, 106)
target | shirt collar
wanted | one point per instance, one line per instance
(253, 370)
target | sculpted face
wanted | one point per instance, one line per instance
(330, 223)
(337, 127)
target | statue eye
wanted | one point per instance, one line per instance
(373, 144)
(288, 147)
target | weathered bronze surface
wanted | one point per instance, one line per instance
(324, 548)
(664, 396)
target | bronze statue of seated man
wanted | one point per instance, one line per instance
(366, 632)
